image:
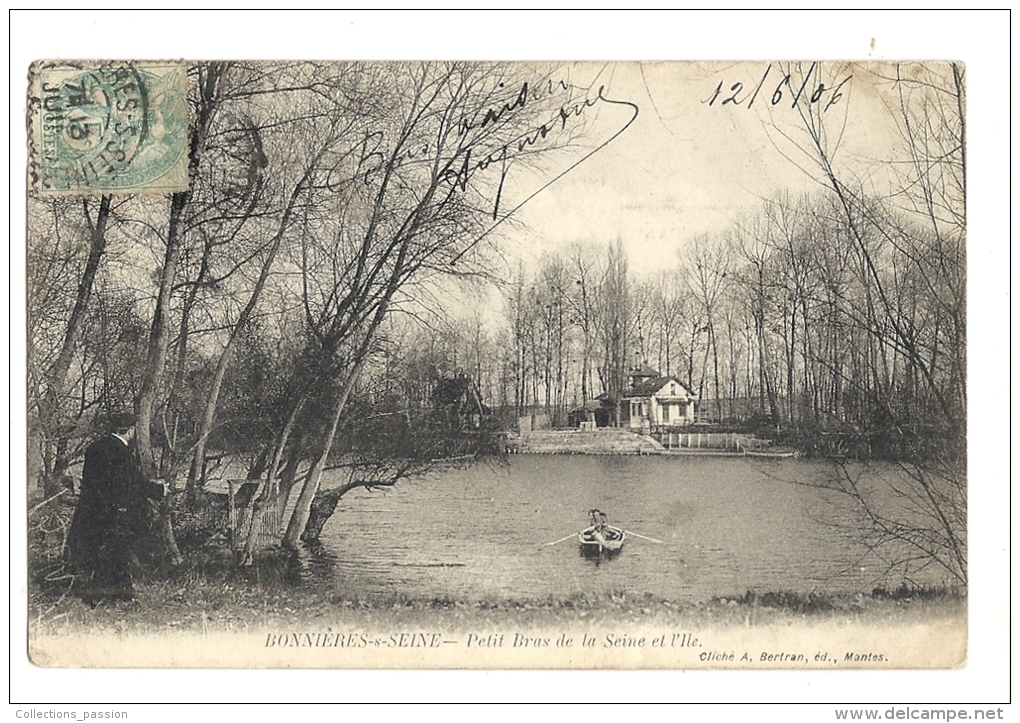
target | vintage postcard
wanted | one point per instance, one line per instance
(497, 364)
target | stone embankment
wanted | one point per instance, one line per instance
(610, 440)
(585, 441)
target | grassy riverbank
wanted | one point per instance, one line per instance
(206, 594)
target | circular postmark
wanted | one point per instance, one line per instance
(107, 128)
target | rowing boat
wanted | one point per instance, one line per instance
(600, 538)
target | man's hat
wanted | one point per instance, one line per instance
(123, 420)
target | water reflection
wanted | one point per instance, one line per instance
(312, 561)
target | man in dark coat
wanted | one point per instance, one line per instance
(109, 515)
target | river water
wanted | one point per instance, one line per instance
(727, 525)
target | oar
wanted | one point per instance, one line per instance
(562, 539)
(650, 539)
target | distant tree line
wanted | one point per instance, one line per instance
(785, 316)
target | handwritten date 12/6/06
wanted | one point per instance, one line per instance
(785, 88)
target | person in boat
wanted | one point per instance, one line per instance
(599, 525)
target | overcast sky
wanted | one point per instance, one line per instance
(688, 164)
(671, 159)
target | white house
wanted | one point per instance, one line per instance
(654, 401)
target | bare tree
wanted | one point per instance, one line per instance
(669, 309)
(707, 265)
(615, 310)
(415, 200)
(55, 260)
(582, 302)
(911, 246)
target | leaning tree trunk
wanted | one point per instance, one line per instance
(210, 87)
(288, 476)
(323, 506)
(302, 509)
(267, 492)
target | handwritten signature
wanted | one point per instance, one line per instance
(473, 157)
(470, 164)
(529, 93)
(817, 92)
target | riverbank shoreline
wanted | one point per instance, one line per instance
(642, 453)
(237, 599)
(210, 613)
(238, 626)
(623, 441)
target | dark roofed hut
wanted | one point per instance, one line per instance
(458, 400)
(594, 413)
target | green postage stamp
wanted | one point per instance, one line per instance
(100, 128)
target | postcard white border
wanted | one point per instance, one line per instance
(979, 39)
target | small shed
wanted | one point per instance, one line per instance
(458, 400)
(594, 413)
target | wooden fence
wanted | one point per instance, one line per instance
(704, 440)
(239, 494)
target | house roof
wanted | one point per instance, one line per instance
(645, 371)
(591, 405)
(649, 387)
(452, 391)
